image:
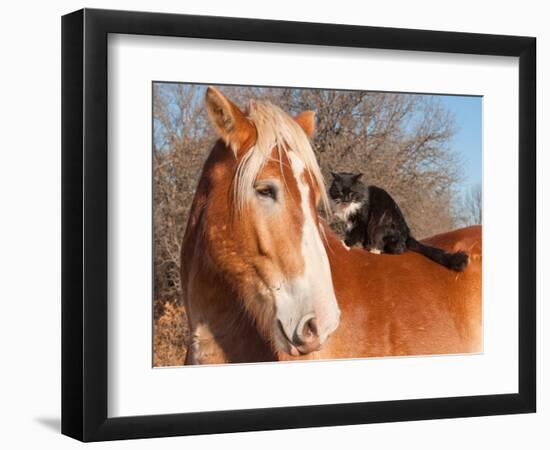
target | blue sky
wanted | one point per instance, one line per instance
(467, 139)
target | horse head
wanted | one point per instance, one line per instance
(260, 230)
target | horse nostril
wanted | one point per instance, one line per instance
(307, 330)
(310, 328)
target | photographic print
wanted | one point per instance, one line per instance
(288, 228)
(299, 224)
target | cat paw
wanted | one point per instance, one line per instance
(375, 251)
(345, 246)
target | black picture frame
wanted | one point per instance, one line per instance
(84, 224)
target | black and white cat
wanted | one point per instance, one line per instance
(373, 218)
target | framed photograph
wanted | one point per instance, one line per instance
(274, 225)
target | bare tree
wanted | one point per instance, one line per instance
(470, 207)
(399, 142)
(180, 145)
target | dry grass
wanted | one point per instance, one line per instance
(170, 335)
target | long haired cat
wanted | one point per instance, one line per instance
(373, 218)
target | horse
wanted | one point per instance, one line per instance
(265, 279)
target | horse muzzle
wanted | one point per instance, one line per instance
(306, 337)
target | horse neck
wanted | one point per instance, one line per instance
(334, 246)
(344, 265)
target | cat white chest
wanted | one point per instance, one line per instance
(345, 210)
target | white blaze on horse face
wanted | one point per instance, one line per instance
(312, 293)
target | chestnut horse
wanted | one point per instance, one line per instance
(265, 279)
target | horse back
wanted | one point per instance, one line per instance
(406, 304)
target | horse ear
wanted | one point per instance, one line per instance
(307, 121)
(228, 120)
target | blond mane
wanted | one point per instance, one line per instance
(275, 129)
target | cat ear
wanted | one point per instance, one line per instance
(357, 177)
(334, 174)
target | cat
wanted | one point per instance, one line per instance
(373, 218)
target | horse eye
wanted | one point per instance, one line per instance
(266, 192)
